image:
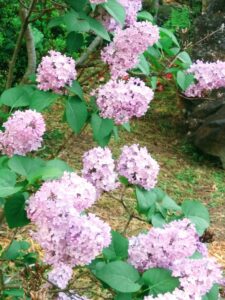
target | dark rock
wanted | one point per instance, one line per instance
(216, 6)
(206, 123)
(213, 46)
(205, 117)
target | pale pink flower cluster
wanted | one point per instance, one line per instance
(197, 276)
(60, 275)
(23, 133)
(122, 100)
(177, 294)
(70, 296)
(67, 236)
(208, 76)
(99, 169)
(132, 7)
(161, 246)
(71, 190)
(55, 72)
(171, 247)
(137, 165)
(122, 54)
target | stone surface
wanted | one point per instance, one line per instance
(206, 123)
(206, 118)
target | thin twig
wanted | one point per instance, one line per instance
(18, 45)
(92, 47)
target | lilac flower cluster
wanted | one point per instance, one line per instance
(136, 164)
(131, 10)
(67, 237)
(197, 276)
(171, 247)
(78, 192)
(123, 53)
(209, 76)
(177, 294)
(99, 169)
(60, 275)
(176, 240)
(23, 133)
(55, 72)
(122, 100)
(70, 296)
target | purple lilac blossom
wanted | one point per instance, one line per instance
(99, 169)
(137, 165)
(132, 7)
(197, 276)
(161, 246)
(77, 191)
(60, 275)
(65, 235)
(122, 54)
(70, 296)
(177, 294)
(209, 76)
(122, 100)
(55, 72)
(23, 133)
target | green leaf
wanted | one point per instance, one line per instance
(98, 28)
(160, 280)
(122, 296)
(169, 203)
(76, 89)
(76, 22)
(145, 15)
(76, 113)
(40, 100)
(15, 250)
(15, 211)
(120, 276)
(59, 164)
(78, 5)
(74, 41)
(143, 65)
(118, 248)
(184, 80)
(185, 58)
(116, 10)
(197, 213)
(158, 220)
(14, 292)
(213, 294)
(25, 165)
(7, 183)
(145, 199)
(15, 97)
(102, 129)
(164, 31)
(55, 22)
(126, 126)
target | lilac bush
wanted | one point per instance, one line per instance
(60, 202)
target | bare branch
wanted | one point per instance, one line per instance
(31, 53)
(18, 44)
